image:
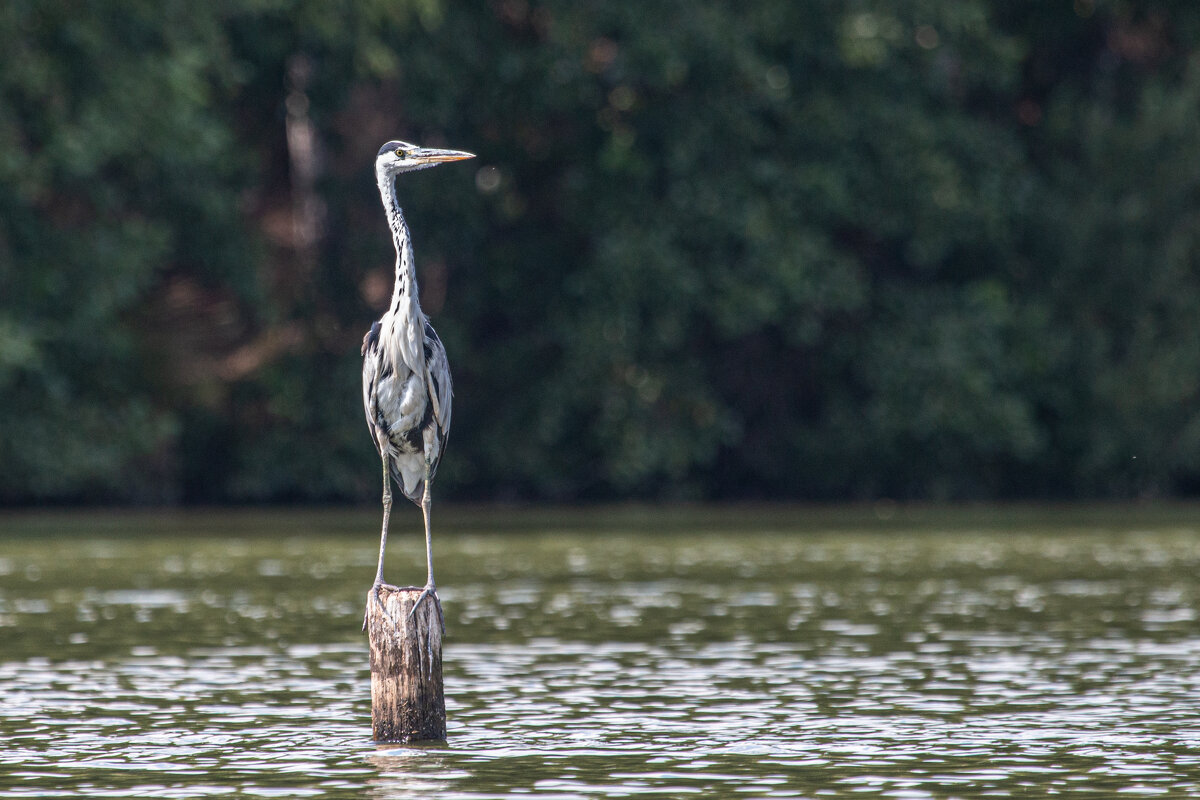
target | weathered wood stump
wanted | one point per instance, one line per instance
(408, 703)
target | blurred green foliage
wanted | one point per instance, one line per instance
(834, 249)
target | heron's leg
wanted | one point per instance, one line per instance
(387, 513)
(425, 505)
(430, 587)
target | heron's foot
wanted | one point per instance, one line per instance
(373, 594)
(430, 591)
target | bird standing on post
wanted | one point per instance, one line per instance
(406, 377)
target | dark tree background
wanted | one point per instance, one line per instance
(787, 249)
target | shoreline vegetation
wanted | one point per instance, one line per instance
(822, 252)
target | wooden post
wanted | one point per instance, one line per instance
(408, 703)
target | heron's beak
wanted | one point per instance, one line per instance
(430, 156)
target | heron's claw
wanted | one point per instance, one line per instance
(373, 593)
(428, 591)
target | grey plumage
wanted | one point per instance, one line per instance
(407, 390)
(407, 407)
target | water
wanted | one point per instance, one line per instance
(788, 654)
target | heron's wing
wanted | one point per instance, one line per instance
(372, 365)
(440, 388)
(372, 337)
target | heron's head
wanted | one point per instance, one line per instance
(396, 157)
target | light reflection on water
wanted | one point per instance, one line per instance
(841, 662)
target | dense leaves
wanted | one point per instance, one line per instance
(819, 249)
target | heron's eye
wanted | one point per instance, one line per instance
(400, 153)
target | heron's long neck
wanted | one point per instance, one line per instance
(404, 294)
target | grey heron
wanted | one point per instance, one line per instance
(406, 377)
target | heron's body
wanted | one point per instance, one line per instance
(400, 403)
(406, 377)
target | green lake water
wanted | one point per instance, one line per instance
(786, 653)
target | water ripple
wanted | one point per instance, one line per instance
(848, 665)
